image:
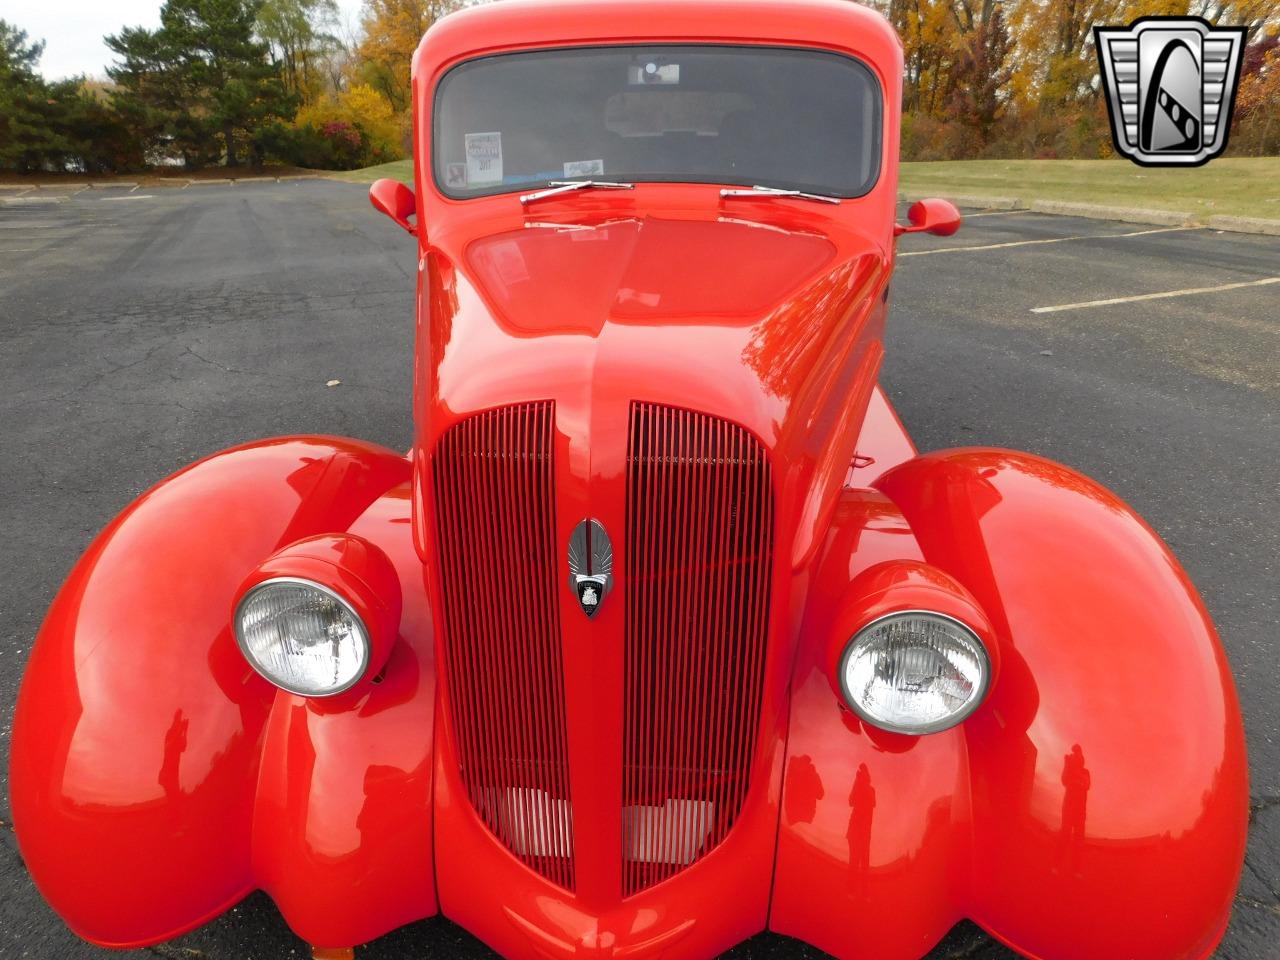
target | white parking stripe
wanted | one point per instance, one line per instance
(993, 213)
(1156, 296)
(1029, 243)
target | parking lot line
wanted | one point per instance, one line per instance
(1028, 243)
(1156, 296)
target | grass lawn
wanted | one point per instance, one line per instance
(396, 170)
(1247, 186)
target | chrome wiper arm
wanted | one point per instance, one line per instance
(759, 191)
(557, 187)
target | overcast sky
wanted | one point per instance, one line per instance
(73, 29)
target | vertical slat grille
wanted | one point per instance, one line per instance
(699, 555)
(495, 517)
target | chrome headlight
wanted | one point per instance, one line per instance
(302, 637)
(914, 672)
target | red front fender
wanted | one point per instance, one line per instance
(1095, 806)
(156, 778)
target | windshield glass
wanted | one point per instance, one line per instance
(797, 119)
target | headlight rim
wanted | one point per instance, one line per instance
(936, 726)
(366, 646)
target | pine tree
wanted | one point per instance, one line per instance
(23, 134)
(52, 126)
(202, 84)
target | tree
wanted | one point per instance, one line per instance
(53, 126)
(930, 41)
(300, 35)
(981, 71)
(393, 29)
(154, 99)
(1258, 102)
(202, 83)
(23, 134)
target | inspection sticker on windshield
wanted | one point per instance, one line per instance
(583, 168)
(484, 159)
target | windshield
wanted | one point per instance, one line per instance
(797, 119)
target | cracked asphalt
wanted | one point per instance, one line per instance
(142, 330)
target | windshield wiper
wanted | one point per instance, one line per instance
(557, 187)
(758, 191)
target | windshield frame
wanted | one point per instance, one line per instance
(877, 152)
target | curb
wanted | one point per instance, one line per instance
(1270, 228)
(1167, 218)
(969, 200)
(1094, 211)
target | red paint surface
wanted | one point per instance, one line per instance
(1104, 778)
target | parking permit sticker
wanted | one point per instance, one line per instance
(484, 159)
(455, 176)
(583, 168)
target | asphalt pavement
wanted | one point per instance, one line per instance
(142, 329)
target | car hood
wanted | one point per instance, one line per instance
(744, 318)
(774, 325)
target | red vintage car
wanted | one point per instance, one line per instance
(662, 634)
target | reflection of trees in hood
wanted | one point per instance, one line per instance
(785, 345)
(201, 85)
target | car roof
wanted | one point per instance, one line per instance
(514, 24)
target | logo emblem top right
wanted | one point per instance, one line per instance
(1171, 85)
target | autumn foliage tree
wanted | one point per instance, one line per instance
(1019, 78)
(392, 31)
(301, 37)
(982, 67)
(1258, 107)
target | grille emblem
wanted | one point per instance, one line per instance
(590, 565)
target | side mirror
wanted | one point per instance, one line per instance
(395, 200)
(939, 217)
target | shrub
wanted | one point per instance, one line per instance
(355, 129)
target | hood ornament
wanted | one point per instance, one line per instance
(590, 565)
